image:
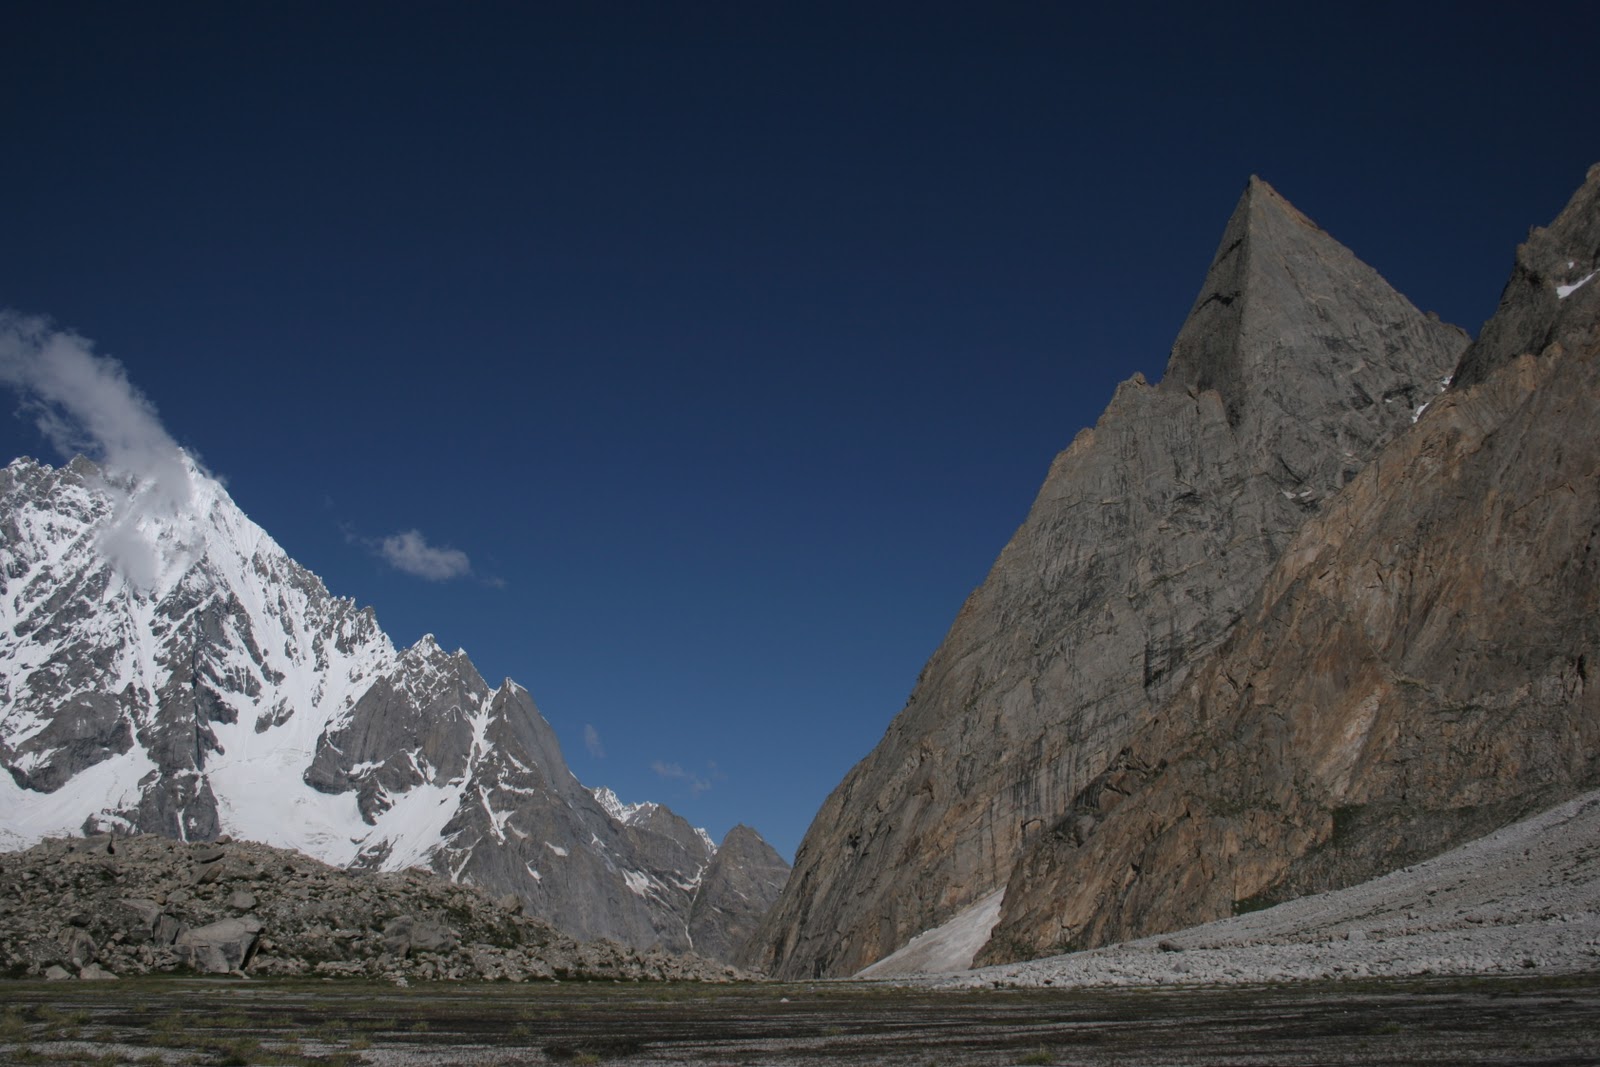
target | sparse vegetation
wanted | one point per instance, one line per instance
(317, 1024)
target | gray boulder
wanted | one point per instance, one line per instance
(405, 935)
(221, 947)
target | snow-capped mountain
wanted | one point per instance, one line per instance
(166, 667)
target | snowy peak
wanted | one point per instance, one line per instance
(614, 807)
(166, 667)
(154, 627)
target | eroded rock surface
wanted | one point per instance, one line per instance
(1146, 544)
(1414, 672)
(736, 892)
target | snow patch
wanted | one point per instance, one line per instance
(948, 947)
(108, 787)
(1564, 291)
(622, 813)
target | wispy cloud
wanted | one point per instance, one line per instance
(675, 772)
(591, 741)
(84, 402)
(410, 552)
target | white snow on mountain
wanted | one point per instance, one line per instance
(166, 667)
(290, 664)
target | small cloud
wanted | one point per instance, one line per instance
(674, 771)
(591, 741)
(83, 402)
(410, 552)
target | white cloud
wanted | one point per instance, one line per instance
(697, 784)
(410, 552)
(591, 741)
(83, 402)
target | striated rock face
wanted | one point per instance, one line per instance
(1413, 673)
(1146, 544)
(166, 668)
(738, 889)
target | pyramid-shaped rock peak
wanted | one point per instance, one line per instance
(738, 888)
(1306, 345)
(1146, 542)
(1413, 673)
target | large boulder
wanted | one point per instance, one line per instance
(221, 947)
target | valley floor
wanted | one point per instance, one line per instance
(343, 1024)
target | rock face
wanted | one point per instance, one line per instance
(1146, 544)
(105, 907)
(1414, 672)
(166, 668)
(737, 891)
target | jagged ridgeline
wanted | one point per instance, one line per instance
(1147, 545)
(166, 668)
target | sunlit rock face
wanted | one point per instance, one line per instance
(1413, 673)
(166, 668)
(1148, 542)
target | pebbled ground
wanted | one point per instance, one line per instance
(842, 1024)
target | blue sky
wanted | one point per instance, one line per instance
(723, 345)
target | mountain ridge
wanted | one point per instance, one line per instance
(167, 667)
(1148, 537)
(1412, 675)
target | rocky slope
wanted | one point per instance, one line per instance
(108, 907)
(1524, 900)
(1413, 673)
(1149, 538)
(166, 668)
(738, 889)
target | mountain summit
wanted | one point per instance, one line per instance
(165, 667)
(1145, 545)
(1412, 674)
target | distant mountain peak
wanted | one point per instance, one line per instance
(166, 667)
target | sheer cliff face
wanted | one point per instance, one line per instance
(1149, 538)
(166, 668)
(1414, 672)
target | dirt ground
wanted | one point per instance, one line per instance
(1546, 1021)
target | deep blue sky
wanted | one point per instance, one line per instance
(729, 342)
